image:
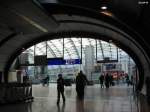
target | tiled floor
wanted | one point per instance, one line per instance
(114, 99)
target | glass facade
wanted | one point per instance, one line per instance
(70, 49)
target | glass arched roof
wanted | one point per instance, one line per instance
(72, 49)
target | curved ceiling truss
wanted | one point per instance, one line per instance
(72, 47)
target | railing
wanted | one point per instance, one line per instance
(15, 92)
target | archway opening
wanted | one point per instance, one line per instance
(91, 38)
(69, 55)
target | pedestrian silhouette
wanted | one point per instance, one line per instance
(111, 80)
(107, 80)
(127, 79)
(60, 88)
(46, 81)
(81, 81)
(101, 78)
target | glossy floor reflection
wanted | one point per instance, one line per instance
(114, 99)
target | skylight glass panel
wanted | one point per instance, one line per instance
(40, 49)
(56, 47)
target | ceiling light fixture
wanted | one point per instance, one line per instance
(103, 7)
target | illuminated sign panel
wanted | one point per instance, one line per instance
(61, 61)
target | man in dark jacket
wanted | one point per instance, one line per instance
(60, 88)
(81, 81)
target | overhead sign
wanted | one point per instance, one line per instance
(40, 60)
(56, 61)
(107, 61)
(61, 61)
(73, 61)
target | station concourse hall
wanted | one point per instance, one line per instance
(74, 56)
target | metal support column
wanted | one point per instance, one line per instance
(81, 54)
(34, 59)
(63, 47)
(46, 57)
(96, 50)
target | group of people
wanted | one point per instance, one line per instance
(81, 82)
(106, 80)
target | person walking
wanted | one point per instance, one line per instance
(81, 81)
(107, 80)
(60, 88)
(47, 80)
(127, 79)
(111, 80)
(101, 78)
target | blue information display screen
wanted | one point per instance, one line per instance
(73, 61)
(56, 61)
(61, 61)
